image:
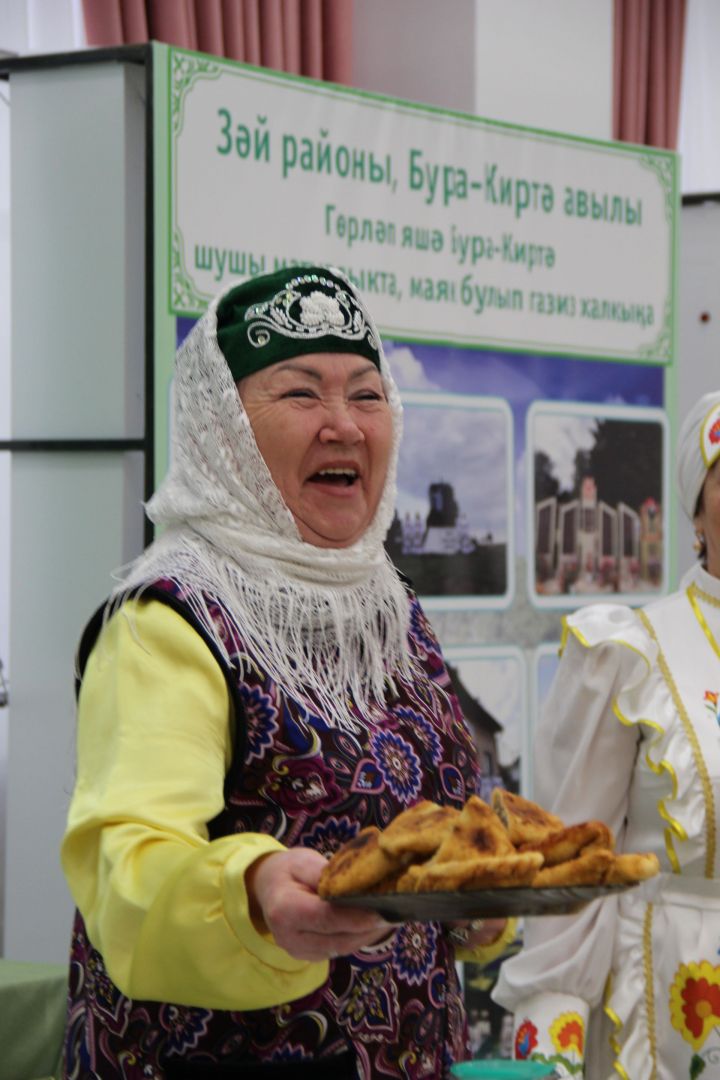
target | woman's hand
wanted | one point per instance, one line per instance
(282, 891)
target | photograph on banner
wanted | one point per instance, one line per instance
(491, 686)
(452, 530)
(598, 502)
(523, 382)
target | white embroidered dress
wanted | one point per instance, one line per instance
(631, 734)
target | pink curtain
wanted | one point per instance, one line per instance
(647, 70)
(304, 37)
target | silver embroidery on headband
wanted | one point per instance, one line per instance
(305, 317)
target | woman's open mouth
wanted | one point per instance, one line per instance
(342, 477)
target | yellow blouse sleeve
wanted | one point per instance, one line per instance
(485, 954)
(165, 906)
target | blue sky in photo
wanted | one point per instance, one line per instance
(521, 378)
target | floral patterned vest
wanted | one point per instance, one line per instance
(393, 1010)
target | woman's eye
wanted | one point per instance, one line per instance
(298, 393)
(369, 395)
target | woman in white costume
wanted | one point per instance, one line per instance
(630, 734)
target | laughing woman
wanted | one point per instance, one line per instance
(260, 687)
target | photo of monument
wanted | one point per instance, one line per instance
(598, 499)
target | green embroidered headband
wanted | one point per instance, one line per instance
(292, 312)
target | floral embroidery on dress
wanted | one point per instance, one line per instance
(398, 763)
(567, 1032)
(414, 951)
(420, 627)
(712, 699)
(296, 783)
(425, 732)
(328, 836)
(105, 999)
(184, 1026)
(261, 723)
(695, 1001)
(525, 1040)
(370, 1008)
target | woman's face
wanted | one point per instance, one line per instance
(324, 427)
(707, 520)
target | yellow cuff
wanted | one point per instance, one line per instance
(485, 954)
(237, 911)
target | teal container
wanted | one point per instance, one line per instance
(502, 1069)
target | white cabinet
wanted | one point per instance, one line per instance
(79, 457)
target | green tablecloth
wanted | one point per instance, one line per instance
(33, 999)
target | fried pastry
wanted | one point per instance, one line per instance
(419, 831)
(481, 872)
(511, 871)
(513, 843)
(632, 866)
(357, 867)
(571, 841)
(525, 821)
(587, 869)
(477, 831)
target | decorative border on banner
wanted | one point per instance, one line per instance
(186, 69)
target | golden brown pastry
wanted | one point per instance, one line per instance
(587, 869)
(630, 867)
(357, 867)
(525, 821)
(419, 831)
(513, 843)
(571, 841)
(477, 831)
(481, 872)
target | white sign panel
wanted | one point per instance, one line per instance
(456, 229)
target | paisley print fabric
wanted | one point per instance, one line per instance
(395, 1008)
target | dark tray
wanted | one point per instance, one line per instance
(479, 904)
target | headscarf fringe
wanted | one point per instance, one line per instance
(308, 639)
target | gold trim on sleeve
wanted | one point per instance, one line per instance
(692, 593)
(650, 988)
(696, 751)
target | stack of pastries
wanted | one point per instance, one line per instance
(511, 843)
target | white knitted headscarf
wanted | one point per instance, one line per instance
(327, 624)
(698, 448)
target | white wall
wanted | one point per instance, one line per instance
(4, 457)
(546, 65)
(698, 141)
(25, 26)
(699, 318)
(422, 50)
